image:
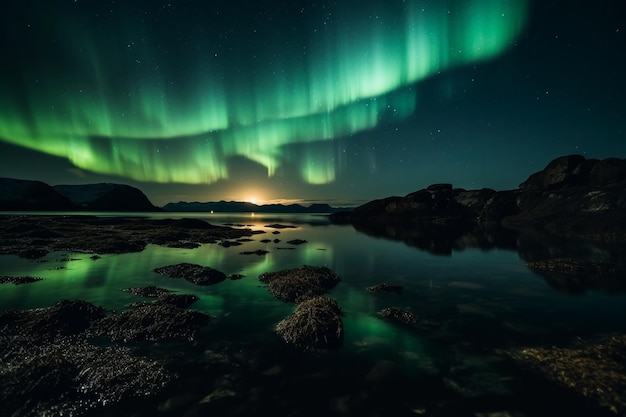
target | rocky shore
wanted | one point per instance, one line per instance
(33, 237)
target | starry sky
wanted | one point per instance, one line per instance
(307, 101)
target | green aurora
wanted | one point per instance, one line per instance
(120, 95)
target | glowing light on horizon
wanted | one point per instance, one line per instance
(166, 120)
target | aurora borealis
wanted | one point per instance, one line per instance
(206, 93)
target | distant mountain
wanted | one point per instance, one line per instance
(24, 195)
(106, 197)
(244, 207)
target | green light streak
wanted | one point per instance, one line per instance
(178, 119)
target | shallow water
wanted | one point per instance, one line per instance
(473, 305)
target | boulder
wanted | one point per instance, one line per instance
(197, 274)
(398, 315)
(316, 324)
(299, 284)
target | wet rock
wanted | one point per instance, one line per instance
(594, 370)
(280, 226)
(18, 280)
(65, 318)
(50, 368)
(275, 232)
(148, 291)
(235, 277)
(265, 241)
(296, 242)
(299, 284)
(197, 274)
(154, 321)
(399, 315)
(316, 324)
(276, 240)
(228, 243)
(178, 300)
(258, 252)
(386, 289)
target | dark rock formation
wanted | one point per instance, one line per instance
(258, 252)
(178, 300)
(572, 196)
(398, 315)
(149, 291)
(298, 284)
(296, 242)
(106, 197)
(34, 236)
(596, 370)
(197, 274)
(316, 324)
(50, 368)
(18, 280)
(26, 195)
(152, 321)
(386, 288)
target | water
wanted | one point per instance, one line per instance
(473, 305)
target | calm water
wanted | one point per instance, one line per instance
(472, 304)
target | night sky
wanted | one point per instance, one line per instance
(307, 101)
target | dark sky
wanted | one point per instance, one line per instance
(327, 101)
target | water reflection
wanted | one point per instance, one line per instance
(531, 246)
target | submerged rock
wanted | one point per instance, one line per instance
(178, 300)
(296, 242)
(386, 288)
(596, 371)
(197, 274)
(399, 315)
(316, 324)
(298, 284)
(4, 279)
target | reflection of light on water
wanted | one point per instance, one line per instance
(251, 214)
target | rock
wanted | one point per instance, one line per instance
(265, 241)
(148, 291)
(401, 316)
(299, 284)
(593, 370)
(259, 252)
(562, 172)
(18, 280)
(197, 274)
(280, 226)
(386, 289)
(178, 300)
(235, 276)
(155, 321)
(316, 324)
(296, 242)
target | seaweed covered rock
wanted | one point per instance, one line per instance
(66, 317)
(399, 315)
(50, 368)
(316, 324)
(298, 284)
(153, 321)
(596, 371)
(196, 274)
(149, 291)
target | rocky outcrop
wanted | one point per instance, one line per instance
(572, 196)
(18, 280)
(299, 284)
(398, 315)
(386, 288)
(316, 324)
(196, 274)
